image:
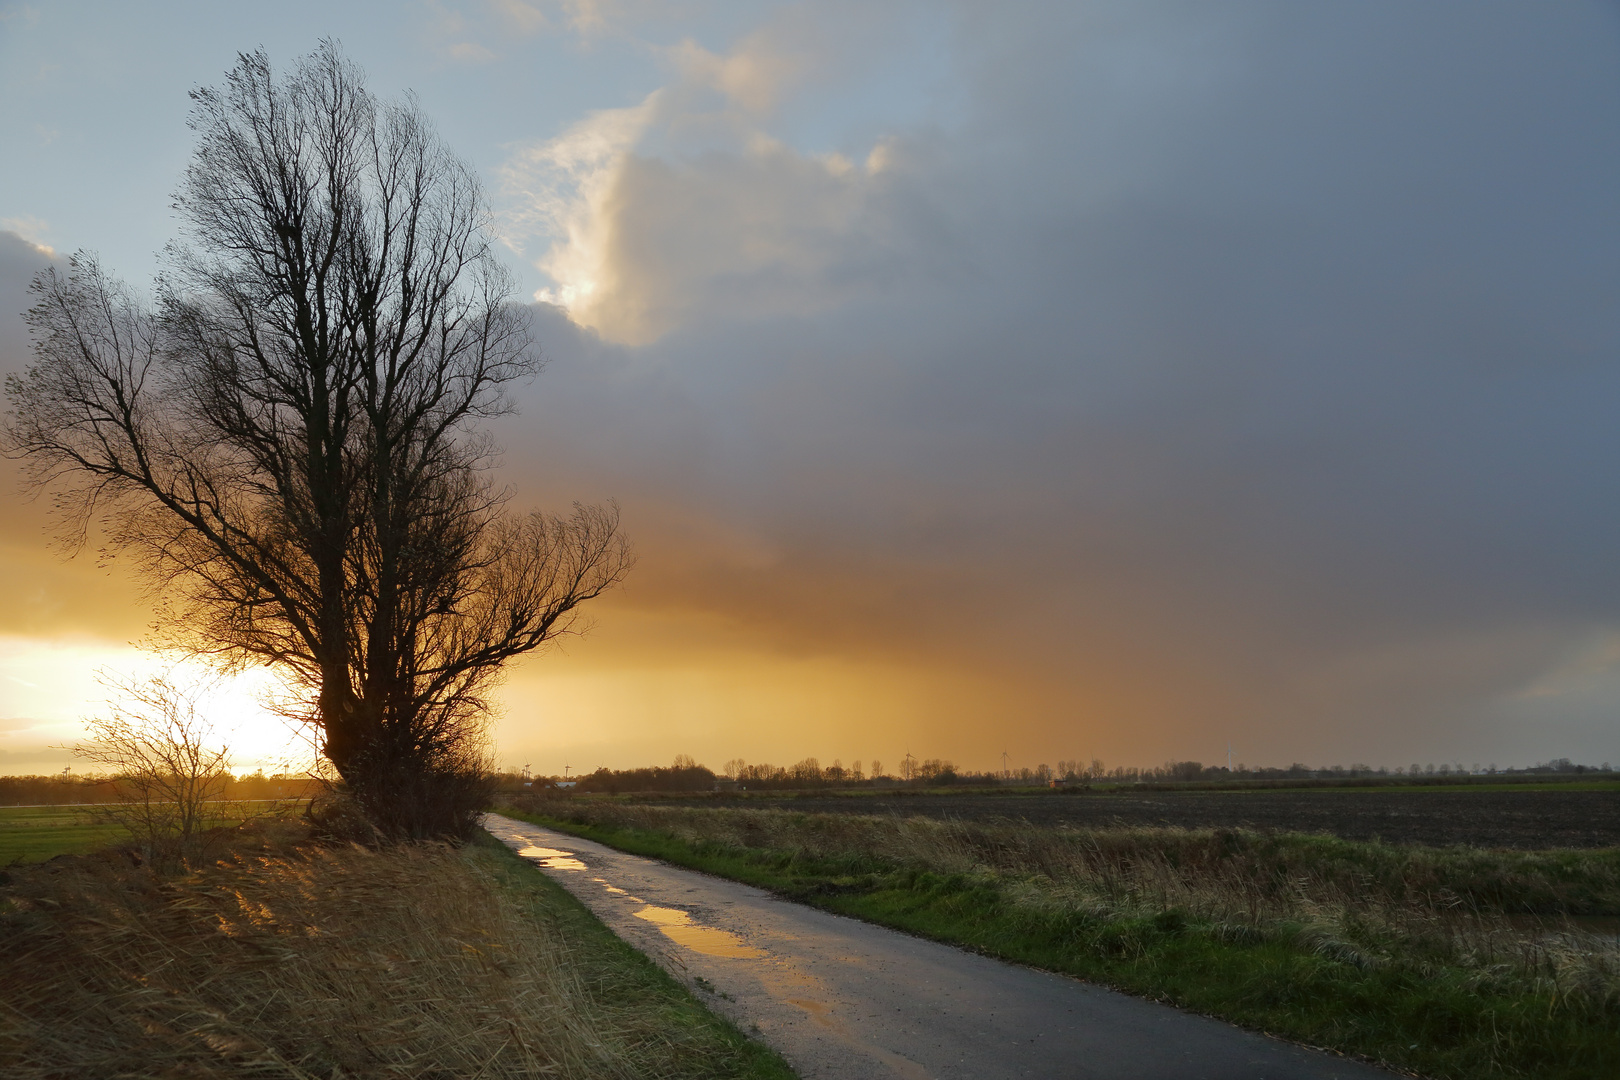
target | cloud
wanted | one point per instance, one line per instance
(561, 188)
(471, 52)
(766, 232)
(1236, 372)
(25, 14)
(637, 243)
(754, 75)
(607, 208)
(31, 230)
(525, 18)
(1104, 379)
(592, 16)
(481, 31)
(467, 34)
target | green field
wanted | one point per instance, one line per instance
(30, 834)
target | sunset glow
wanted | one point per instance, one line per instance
(1098, 380)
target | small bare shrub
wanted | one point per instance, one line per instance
(157, 747)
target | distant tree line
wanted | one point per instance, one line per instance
(1193, 770)
(685, 774)
(66, 789)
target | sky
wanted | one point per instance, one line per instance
(1072, 380)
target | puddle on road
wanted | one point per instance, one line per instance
(553, 857)
(678, 926)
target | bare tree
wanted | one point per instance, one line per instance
(157, 747)
(288, 442)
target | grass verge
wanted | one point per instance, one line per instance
(1451, 963)
(627, 978)
(287, 959)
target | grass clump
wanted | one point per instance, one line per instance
(1453, 962)
(336, 961)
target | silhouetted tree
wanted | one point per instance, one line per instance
(288, 442)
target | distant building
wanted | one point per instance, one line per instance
(565, 783)
(722, 784)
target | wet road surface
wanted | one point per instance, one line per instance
(845, 1000)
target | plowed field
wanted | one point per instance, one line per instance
(1506, 819)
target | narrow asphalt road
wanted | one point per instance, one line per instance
(839, 998)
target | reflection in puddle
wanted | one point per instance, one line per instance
(679, 928)
(552, 857)
(817, 1011)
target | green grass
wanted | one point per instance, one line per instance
(628, 978)
(1422, 1012)
(30, 834)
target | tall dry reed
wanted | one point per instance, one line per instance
(328, 963)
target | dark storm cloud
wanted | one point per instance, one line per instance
(20, 260)
(1254, 365)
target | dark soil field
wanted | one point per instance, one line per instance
(1504, 819)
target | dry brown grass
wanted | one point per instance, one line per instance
(320, 962)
